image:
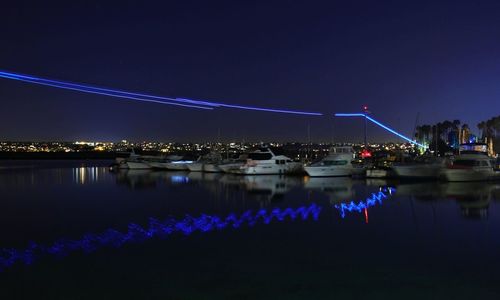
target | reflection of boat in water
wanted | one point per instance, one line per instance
(472, 197)
(136, 179)
(336, 163)
(203, 177)
(142, 179)
(338, 189)
(266, 184)
(272, 187)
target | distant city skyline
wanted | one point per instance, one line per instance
(400, 59)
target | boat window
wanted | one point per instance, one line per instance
(260, 156)
(335, 162)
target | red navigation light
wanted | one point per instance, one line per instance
(366, 153)
(365, 108)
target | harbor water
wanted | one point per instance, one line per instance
(75, 230)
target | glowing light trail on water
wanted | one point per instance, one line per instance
(162, 229)
(361, 206)
(156, 229)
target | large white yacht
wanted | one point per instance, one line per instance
(337, 163)
(232, 164)
(264, 161)
(472, 164)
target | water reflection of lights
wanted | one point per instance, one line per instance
(83, 175)
(362, 205)
(156, 228)
(179, 179)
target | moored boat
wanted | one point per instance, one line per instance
(425, 167)
(265, 162)
(472, 164)
(337, 163)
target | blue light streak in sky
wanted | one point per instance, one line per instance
(361, 205)
(383, 126)
(143, 97)
(157, 229)
(349, 115)
(103, 93)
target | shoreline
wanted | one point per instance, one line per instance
(58, 155)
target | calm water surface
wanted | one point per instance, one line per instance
(74, 230)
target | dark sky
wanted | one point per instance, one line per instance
(439, 58)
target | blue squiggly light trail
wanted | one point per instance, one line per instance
(161, 229)
(383, 126)
(188, 225)
(371, 201)
(142, 97)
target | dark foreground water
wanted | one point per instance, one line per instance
(73, 230)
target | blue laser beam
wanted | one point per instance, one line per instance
(349, 115)
(258, 108)
(88, 87)
(382, 126)
(105, 94)
(143, 97)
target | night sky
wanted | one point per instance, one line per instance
(439, 58)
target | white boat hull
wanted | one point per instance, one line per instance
(266, 169)
(326, 171)
(227, 168)
(122, 165)
(376, 173)
(467, 175)
(212, 168)
(177, 166)
(133, 165)
(158, 165)
(417, 171)
(195, 167)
